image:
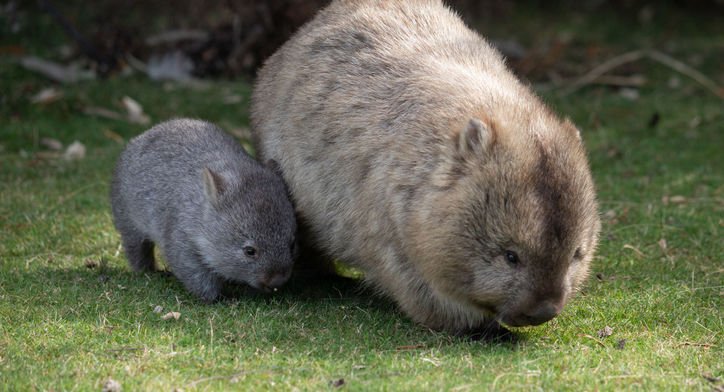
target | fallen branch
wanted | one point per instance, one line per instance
(601, 69)
(54, 71)
(684, 69)
(621, 81)
(596, 73)
(173, 36)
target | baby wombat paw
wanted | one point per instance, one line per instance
(207, 293)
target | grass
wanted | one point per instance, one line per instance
(657, 279)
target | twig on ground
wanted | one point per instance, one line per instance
(621, 81)
(596, 73)
(173, 36)
(584, 335)
(684, 69)
(212, 378)
(54, 71)
(603, 68)
(694, 344)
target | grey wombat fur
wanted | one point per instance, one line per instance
(215, 213)
(414, 154)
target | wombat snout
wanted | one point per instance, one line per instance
(272, 281)
(535, 315)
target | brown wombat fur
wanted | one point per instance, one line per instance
(412, 153)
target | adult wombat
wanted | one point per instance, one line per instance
(216, 214)
(412, 153)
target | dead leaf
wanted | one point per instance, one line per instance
(171, 315)
(135, 111)
(605, 332)
(90, 263)
(158, 309)
(631, 94)
(46, 96)
(113, 136)
(676, 199)
(621, 344)
(635, 249)
(232, 99)
(610, 215)
(434, 362)
(75, 151)
(174, 66)
(337, 383)
(111, 385)
(51, 144)
(663, 245)
(103, 112)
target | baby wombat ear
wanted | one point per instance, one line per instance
(274, 166)
(476, 139)
(214, 186)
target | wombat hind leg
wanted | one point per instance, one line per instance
(139, 251)
(492, 332)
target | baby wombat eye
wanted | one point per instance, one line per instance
(578, 255)
(512, 257)
(250, 251)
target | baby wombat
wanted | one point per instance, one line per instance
(414, 154)
(215, 213)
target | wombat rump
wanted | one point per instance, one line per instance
(414, 154)
(216, 214)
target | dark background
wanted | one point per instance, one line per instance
(240, 34)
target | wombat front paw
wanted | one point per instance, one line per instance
(208, 290)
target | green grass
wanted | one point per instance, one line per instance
(65, 326)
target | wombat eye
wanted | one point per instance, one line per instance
(250, 251)
(578, 255)
(512, 257)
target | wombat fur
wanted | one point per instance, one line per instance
(414, 154)
(216, 214)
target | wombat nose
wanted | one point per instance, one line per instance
(543, 312)
(274, 280)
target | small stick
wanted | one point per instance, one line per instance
(608, 65)
(677, 65)
(659, 57)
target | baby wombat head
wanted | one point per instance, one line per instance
(248, 228)
(515, 220)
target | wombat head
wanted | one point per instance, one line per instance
(248, 228)
(512, 224)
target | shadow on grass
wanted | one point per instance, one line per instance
(316, 316)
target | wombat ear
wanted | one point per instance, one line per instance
(274, 166)
(569, 125)
(476, 138)
(214, 186)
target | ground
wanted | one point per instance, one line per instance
(73, 315)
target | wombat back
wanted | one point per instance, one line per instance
(413, 153)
